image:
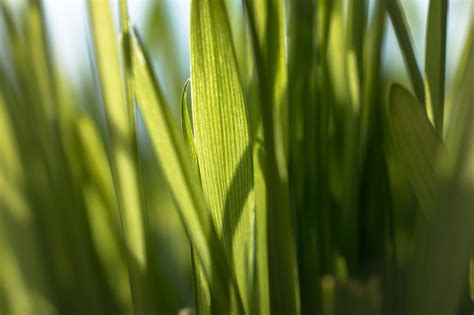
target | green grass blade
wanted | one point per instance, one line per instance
(103, 218)
(400, 26)
(284, 290)
(170, 149)
(187, 127)
(435, 61)
(459, 104)
(124, 161)
(202, 295)
(418, 145)
(357, 20)
(261, 219)
(222, 137)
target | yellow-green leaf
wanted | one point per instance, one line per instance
(222, 137)
(124, 161)
(170, 149)
(202, 296)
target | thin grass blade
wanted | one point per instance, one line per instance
(123, 156)
(202, 294)
(435, 61)
(400, 26)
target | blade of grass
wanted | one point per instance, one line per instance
(435, 62)
(459, 105)
(222, 137)
(284, 290)
(124, 161)
(170, 149)
(418, 145)
(302, 151)
(201, 287)
(261, 219)
(23, 285)
(357, 24)
(103, 217)
(400, 26)
(187, 128)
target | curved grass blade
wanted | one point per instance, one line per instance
(400, 26)
(201, 287)
(435, 61)
(170, 149)
(187, 128)
(418, 145)
(222, 137)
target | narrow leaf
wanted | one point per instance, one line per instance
(187, 128)
(435, 61)
(261, 220)
(418, 145)
(400, 26)
(202, 295)
(222, 138)
(170, 149)
(124, 159)
(284, 290)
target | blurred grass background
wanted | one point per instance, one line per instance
(59, 231)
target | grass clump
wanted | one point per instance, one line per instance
(293, 176)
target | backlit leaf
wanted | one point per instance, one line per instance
(170, 149)
(221, 134)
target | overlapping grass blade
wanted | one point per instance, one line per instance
(103, 217)
(459, 104)
(262, 299)
(435, 61)
(418, 145)
(202, 295)
(222, 137)
(170, 149)
(400, 26)
(357, 20)
(284, 291)
(123, 157)
(187, 127)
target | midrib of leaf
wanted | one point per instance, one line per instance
(177, 167)
(221, 134)
(435, 61)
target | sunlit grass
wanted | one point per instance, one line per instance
(294, 176)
